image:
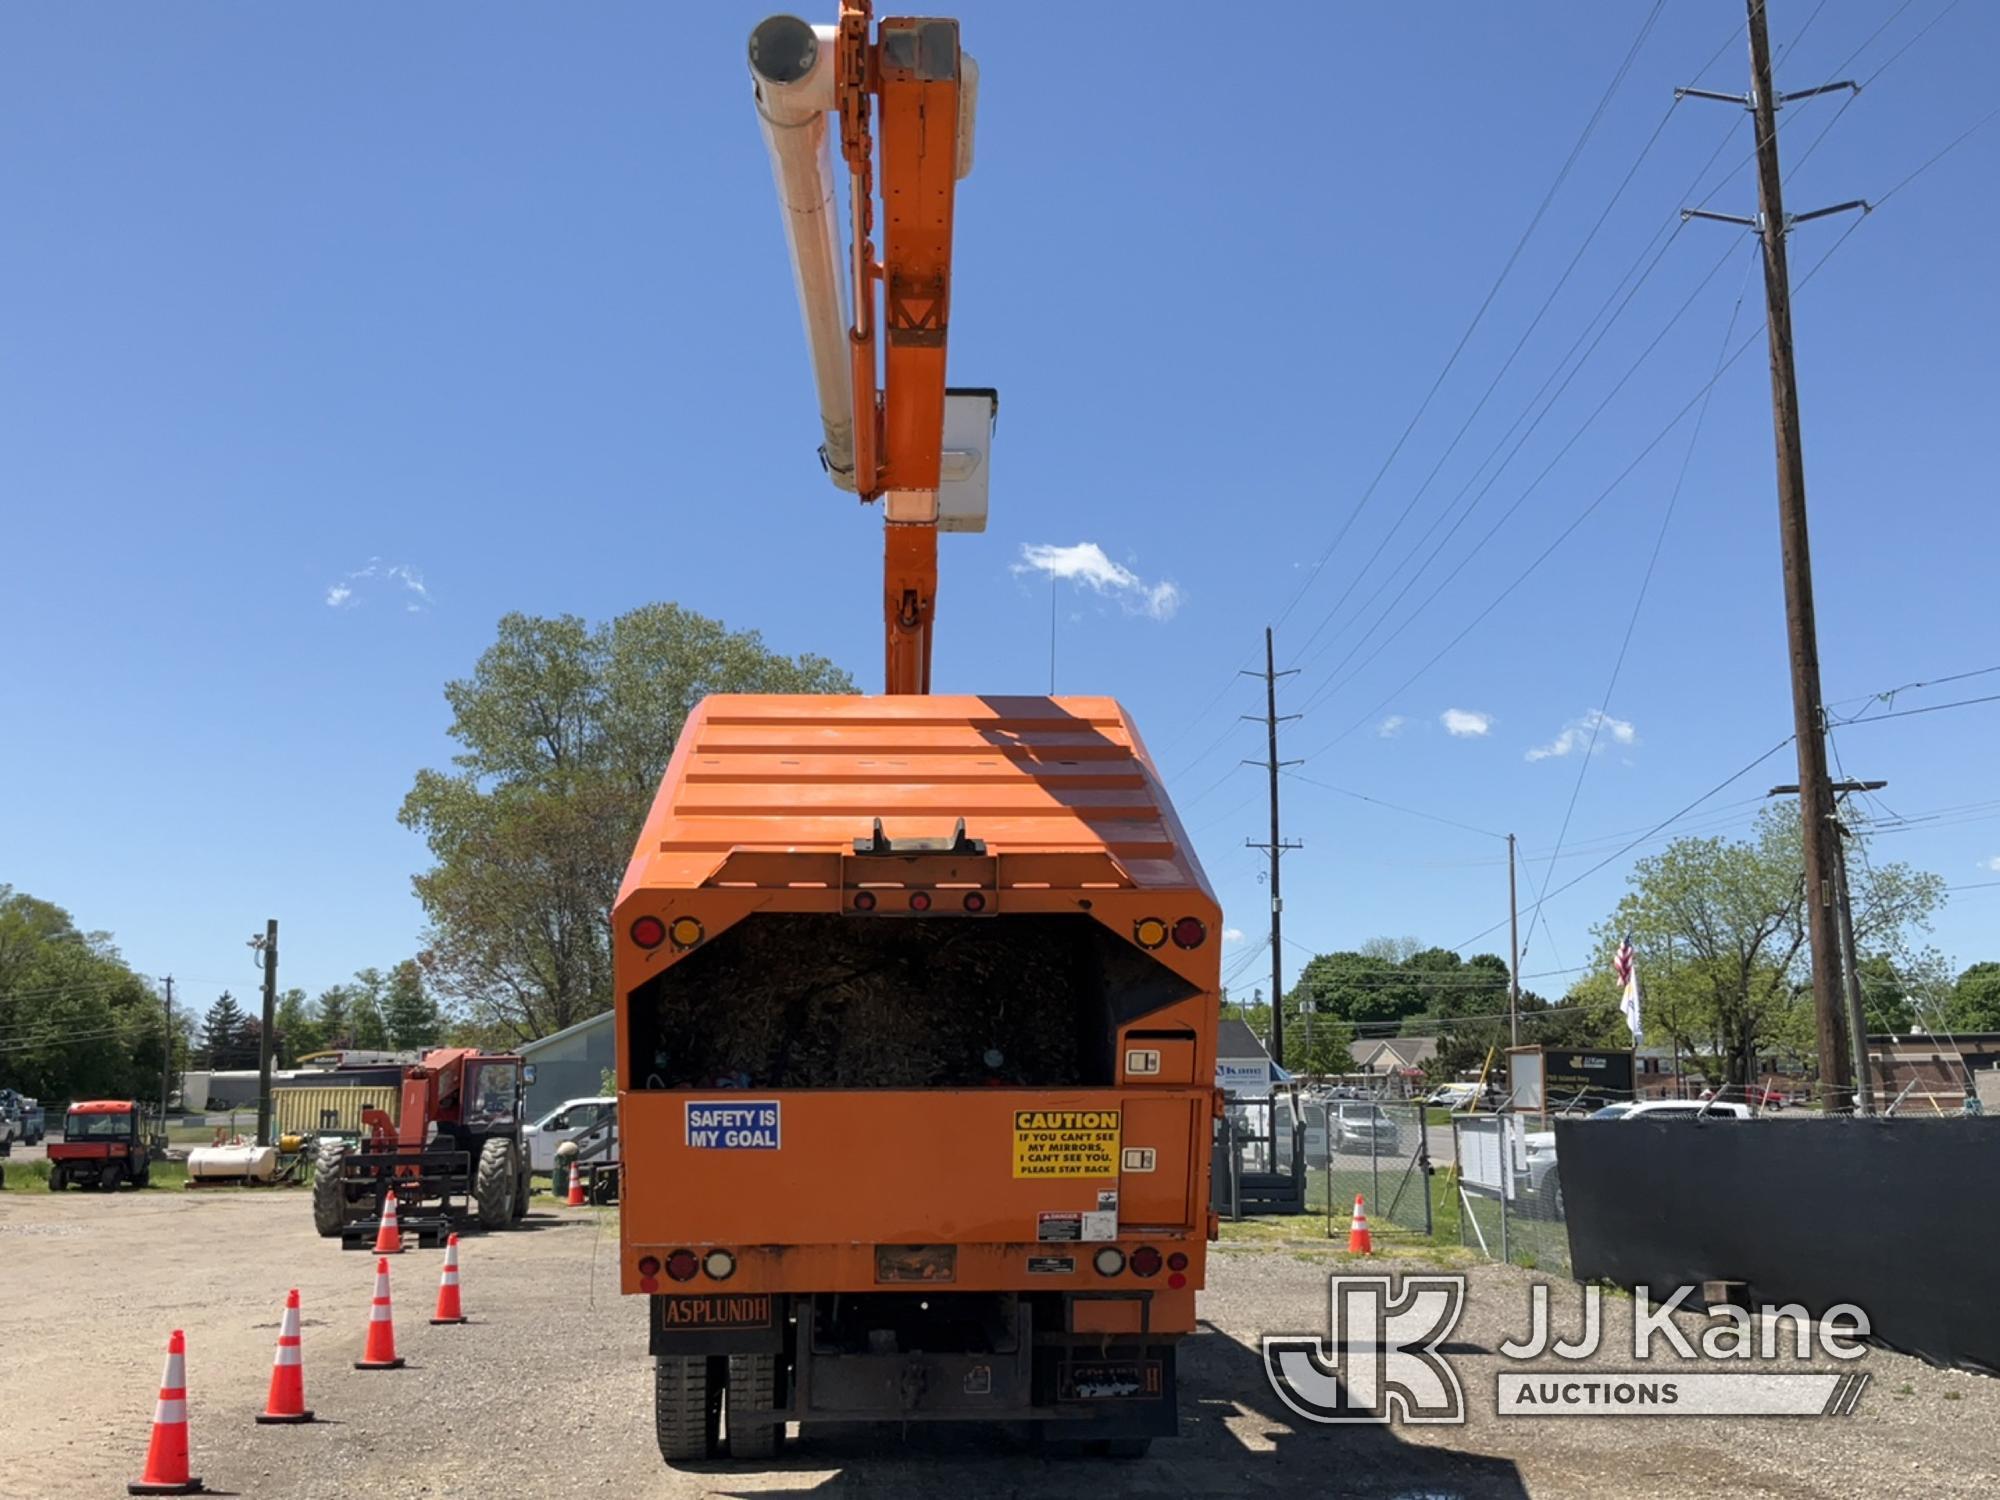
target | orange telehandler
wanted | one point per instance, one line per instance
(916, 995)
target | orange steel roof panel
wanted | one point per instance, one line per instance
(810, 774)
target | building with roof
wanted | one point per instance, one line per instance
(571, 1063)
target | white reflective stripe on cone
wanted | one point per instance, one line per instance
(288, 1354)
(379, 1313)
(170, 1413)
(176, 1376)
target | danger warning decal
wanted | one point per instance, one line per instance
(1066, 1143)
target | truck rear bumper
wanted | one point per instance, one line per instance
(1091, 1384)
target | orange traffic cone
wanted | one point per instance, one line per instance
(380, 1352)
(287, 1400)
(167, 1454)
(389, 1238)
(448, 1310)
(576, 1198)
(1359, 1241)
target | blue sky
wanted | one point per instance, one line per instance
(475, 309)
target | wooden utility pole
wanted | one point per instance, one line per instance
(167, 1055)
(1278, 845)
(1802, 638)
(267, 947)
(1514, 964)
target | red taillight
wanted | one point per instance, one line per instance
(649, 1265)
(648, 932)
(1177, 1262)
(975, 901)
(920, 900)
(682, 1265)
(1146, 1261)
(1189, 932)
(864, 901)
(1176, 1281)
(649, 1284)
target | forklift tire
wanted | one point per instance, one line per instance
(493, 1184)
(524, 1189)
(685, 1406)
(753, 1384)
(328, 1208)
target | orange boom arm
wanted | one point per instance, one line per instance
(901, 99)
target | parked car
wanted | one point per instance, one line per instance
(1362, 1126)
(21, 1121)
(565, 1122)
(1541, 1184)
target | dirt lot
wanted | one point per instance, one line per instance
(548, 1391)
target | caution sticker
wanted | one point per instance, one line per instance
(1066, 1143)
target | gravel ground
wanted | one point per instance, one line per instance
(548, 1391)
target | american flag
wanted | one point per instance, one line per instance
(1627, 966)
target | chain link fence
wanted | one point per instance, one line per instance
(1377, 1150)
(1508, 1190)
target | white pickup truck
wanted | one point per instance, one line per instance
(1543, 1181)
(565, 1122)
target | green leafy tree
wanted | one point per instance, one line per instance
(222, 1035)
(1719, 926)
(1974, 1003)
(366, 999)
(77, 1022)
(297, 1031)
(408, 1010)
(334, 1016)
(564, 732)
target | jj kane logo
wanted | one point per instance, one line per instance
(1386, 1359)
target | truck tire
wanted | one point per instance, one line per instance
(524, 1189)
(684, 1408)
(753, 1385)
(112, 1177)
(493, 1184)
(57, 1181)
(329, 1206)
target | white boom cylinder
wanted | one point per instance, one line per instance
(791, 63)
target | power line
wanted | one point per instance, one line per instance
(1331, 686)
(1589, 128)
(1645, 583)
(1721, 785)
(1929, 708)
(1392, 806)
(1672, 227)
(1889, 694)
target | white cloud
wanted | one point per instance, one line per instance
(1086, 563)
(1993, 863)
(352, 590)
(1577, 734)
(1465, 723)
(1392, 726)
(1235, 934)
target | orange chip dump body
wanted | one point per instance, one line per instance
(917, 1004)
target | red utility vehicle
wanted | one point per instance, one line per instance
(103, 1146)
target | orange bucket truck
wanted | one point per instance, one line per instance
(916, 994)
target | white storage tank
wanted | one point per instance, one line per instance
(235, 1163)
